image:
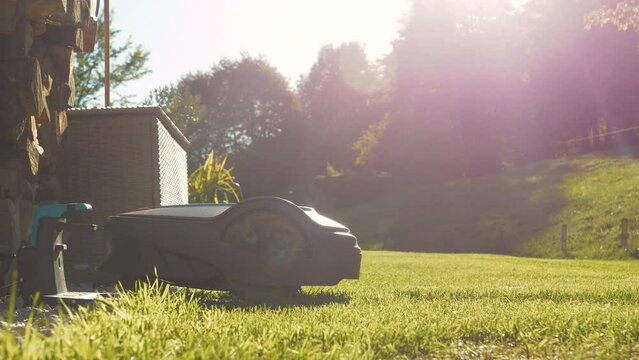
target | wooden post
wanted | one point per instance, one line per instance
(624, 233)
(564, 240)
(107, 55)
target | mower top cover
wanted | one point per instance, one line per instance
(267, 243)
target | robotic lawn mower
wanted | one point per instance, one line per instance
(259, 246)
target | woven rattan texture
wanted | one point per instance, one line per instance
(117, 162)
(172, 169)
(106, 162)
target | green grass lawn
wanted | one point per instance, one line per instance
(519, 211)
(406, 305)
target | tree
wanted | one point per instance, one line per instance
(248, 113)
(624, 15)
(367, 142)
(583, 76)
(179, 103)
(128, 63)
(246, 101)
(341, 97)
(454, 72)
(479, 83)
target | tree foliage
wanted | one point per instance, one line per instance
(242, 109)
(128, 63)
(179, 103)
(246, 101)
(624, 15)
(469, 87)
(366, 144)
(480, 83)
(340, 97)
(449, 91)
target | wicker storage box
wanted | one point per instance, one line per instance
(118, 160)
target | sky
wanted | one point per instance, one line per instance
(192, 35)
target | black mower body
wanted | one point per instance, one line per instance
(261, 242)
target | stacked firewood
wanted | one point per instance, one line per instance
(38, 40)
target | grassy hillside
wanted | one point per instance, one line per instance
(517, 212)
(405, 306)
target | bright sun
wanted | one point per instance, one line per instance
(372, 23)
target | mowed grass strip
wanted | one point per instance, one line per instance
(406, 305)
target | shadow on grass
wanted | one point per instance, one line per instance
(305, 299)
(490, 214)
